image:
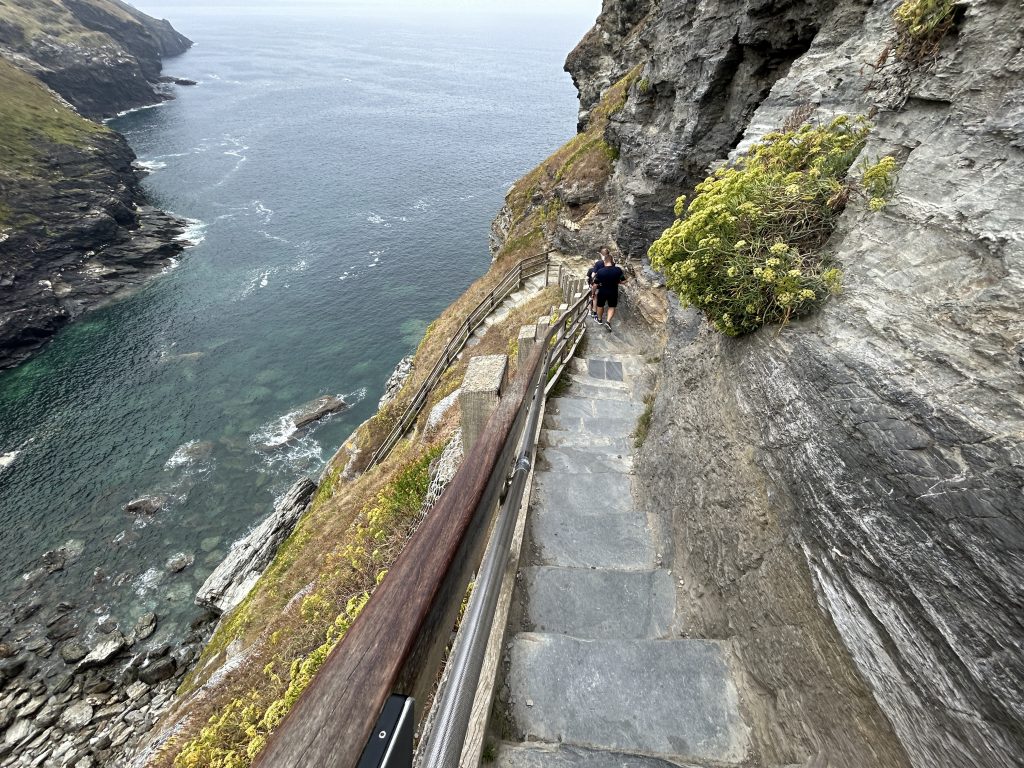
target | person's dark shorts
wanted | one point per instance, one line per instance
(607, 298)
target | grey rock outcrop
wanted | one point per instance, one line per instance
(846, 493)
(395, 381)
(231, 581)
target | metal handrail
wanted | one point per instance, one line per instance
(398, 639)
(525, 269)
(444, 744)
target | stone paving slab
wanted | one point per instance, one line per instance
(600, 604)
(585, 459)
(601, 426)
(663, 698)
(585, 407)
(565, 756)
(583, 521)
(582, 387)
(558, 438)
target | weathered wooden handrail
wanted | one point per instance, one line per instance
(525, 269)
(397, 641)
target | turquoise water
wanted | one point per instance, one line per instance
(342, 171)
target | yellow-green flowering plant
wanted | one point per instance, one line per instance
(746, 249)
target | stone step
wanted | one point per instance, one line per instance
(538, 755)
(562, 438)
(571, 405)
(672, 699)
(585, 459)
(588, 520)
(600, 604)
(597, 389)
(599, 426)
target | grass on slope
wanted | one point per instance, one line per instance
(31, 117)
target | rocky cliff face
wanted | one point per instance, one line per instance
(75, 230)
(846, 492)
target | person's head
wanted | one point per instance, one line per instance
(606, 257)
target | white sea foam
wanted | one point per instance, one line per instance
(172, 264)
(420, 205)
(7, 459)
(194, 232)
(376, 218)
(264, 279)
(148, 581)
(150, 165)
(135, 109)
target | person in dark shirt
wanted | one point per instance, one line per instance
(607, 279)
(593, 285)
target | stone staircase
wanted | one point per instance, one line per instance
(603, 678)
(530, 288)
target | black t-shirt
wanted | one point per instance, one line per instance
(608, 278)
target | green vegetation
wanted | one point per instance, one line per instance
(746, 249)
(31, 118)
(920, 27)
(586, 159)
(235, 734)
(643, 423)
(879, 181)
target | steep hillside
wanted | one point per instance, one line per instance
(845, 490)
(74, 227)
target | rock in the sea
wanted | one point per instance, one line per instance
(107, 649)
(158, 671)
(319, 408)
(145, 626)
(12, 667)
(146, 505)
(231, 581)
(179, 562)
(76, 717)
(73, 651)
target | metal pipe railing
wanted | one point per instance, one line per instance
(444, 744)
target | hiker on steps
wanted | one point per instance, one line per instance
(593, 285)
(607, 279)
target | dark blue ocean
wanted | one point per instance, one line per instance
(341, 166)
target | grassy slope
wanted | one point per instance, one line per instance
(32, 120)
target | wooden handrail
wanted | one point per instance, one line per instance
(397, 640)
(330, 723)
(526, 268)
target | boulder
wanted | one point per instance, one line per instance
(319, 408)
(73, 651)
(145, 626)
(75, 717)
(146, 505)
(231, 581)
(179, 562)
(107, 649)
(158, 671)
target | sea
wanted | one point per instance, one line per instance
(339, 165)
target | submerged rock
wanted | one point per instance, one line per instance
(231, 581)
(146, 505)
(319, 408)
(179, 562)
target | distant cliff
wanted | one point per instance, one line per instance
(75, 229)
(846, 491)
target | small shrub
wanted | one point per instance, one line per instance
(746, 249)
(879, 181)
(644, 86)
(920, 27)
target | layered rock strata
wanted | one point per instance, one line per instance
(846, 492)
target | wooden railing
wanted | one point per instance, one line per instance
(512, 281)
(397, 642)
